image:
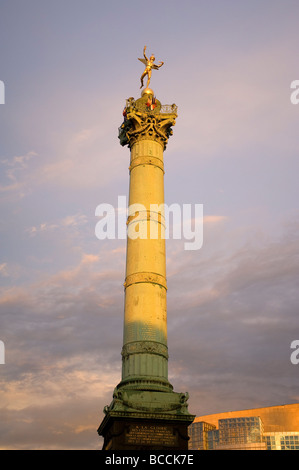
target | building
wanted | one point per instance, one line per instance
(233, 434)
(237, 432)
(199, 434)
(282, 440)
(271, 428)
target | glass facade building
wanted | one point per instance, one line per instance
(233, 434)
(198, 434)
(273, 428)
(213, 439)
(240, 431)
(282, 440)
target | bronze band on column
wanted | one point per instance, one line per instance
(152, 278)
(147, 161)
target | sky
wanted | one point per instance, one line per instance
(68, 66)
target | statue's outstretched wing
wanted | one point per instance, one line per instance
(155, 67)
(143, 61)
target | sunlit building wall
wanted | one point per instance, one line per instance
(240, 431)
(282, 440)
(272, 428)
(199, 433)
(279, 418)
(233, 434)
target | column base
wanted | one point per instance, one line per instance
(146, 420)
(145, 383)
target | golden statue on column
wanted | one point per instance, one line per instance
(149, 63)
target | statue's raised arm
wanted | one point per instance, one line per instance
(144, 49)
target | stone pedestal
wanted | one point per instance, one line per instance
(150, 434)
(146, 420)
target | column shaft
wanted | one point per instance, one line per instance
(145, 323)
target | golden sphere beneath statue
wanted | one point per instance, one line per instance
(147, 91)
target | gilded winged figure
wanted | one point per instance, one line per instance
(150, 64)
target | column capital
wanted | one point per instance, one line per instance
(147, 119)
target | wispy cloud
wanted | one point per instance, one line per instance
(214, 219)
(15, 171)
(240, 313)
(55, 332)
(68, 222)
(88, 158)
(3, 270)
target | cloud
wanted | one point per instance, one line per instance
(9, 272)
(214, 219)
(78, 157)
(16, 173)
(68, 222)
(231, 348)
(31, 405)
(3, 270)
(63, 339)
(89, 156)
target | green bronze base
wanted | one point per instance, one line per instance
(146, 420)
